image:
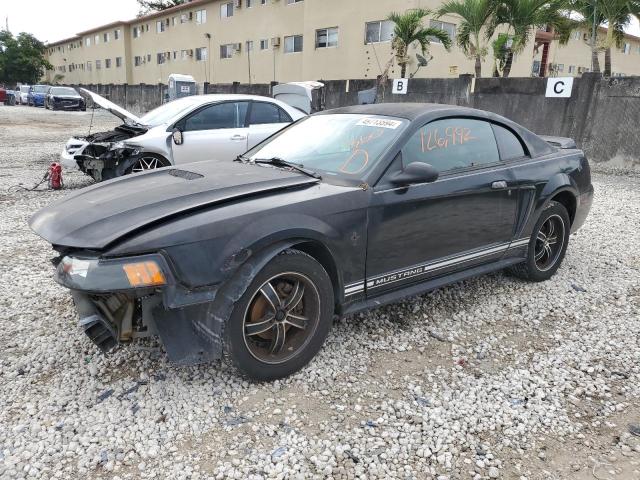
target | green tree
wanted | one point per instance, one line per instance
(408, 30)
(617, 14)
(21, 58)
(522, 17)
(147, 6)
(590, 11)
(476, 15)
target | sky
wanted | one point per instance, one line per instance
(52, 20)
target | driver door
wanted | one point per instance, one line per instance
(463, 219)
(213, 132)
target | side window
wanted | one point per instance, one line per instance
(508, 144)
(452, 144)
(262, 112)
(222, 115)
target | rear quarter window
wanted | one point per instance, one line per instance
(509, 144)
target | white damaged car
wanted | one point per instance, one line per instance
(189, 129)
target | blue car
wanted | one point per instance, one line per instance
(37, 93)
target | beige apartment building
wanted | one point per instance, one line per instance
(259, 41)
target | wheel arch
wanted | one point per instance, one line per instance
(561, 188)
(568, 200)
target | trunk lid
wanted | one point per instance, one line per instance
(96, 216)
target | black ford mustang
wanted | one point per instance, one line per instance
(342, 211)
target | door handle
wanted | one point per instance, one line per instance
(238, 137)
(499, 185)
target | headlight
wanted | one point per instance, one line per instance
(119, 145)
(95, 275)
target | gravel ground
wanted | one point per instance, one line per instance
(489, 378)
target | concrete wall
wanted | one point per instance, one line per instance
(602, 115)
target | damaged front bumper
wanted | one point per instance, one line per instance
(120, 300)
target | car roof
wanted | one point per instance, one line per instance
(409, 111)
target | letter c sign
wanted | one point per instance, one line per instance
(559, 87)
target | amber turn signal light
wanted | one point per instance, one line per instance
(144, 274)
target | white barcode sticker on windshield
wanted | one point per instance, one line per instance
(380, 122)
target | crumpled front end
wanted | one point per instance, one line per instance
(121, 300)
(102, 155)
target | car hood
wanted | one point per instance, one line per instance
(118, 111)
(97, 216)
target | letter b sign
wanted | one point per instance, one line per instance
(400, 86)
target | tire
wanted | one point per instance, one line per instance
(259, 340)
(544, 259)
(148, 161)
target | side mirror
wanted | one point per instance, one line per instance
(415, 172)
(178, 138)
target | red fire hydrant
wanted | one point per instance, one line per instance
(55, 176)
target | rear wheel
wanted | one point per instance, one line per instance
(547, 246)
(283, 318)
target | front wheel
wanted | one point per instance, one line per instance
(283, 318)
(547, 246)
(148, 161)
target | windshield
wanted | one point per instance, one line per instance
(63, 91)
(40, 88)
(166, 112)
(339, 144)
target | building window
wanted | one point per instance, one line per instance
(293, 44)
(106, 37)
(96, 40)
(201, 54)
(107, 63)
(184, 18)
(116, 34)
(450, 28)
(175, 54)
(291, 2)
(148, 57)
(226, 10)
(626, 48)
(226, 51)
(137, 61)
(201, 16)
(264, 44)
(327, 37)
(572, 69)
(98, 64)
(118, 62)
(160, 26)
(249, 45)
(249, 4)
(184, 54)
(263, 2)
(87, 41)
(160, 58)
(136, 32)
(380, 31)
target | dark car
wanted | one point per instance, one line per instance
(37, 94)
(340, 212)
(64, 98)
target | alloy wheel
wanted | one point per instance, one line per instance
(549, 242)
(146, 163)
(281, 317)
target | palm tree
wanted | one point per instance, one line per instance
(590, 9)
(521, 17)
(476, 16)
(408, 30)
(617, 14)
